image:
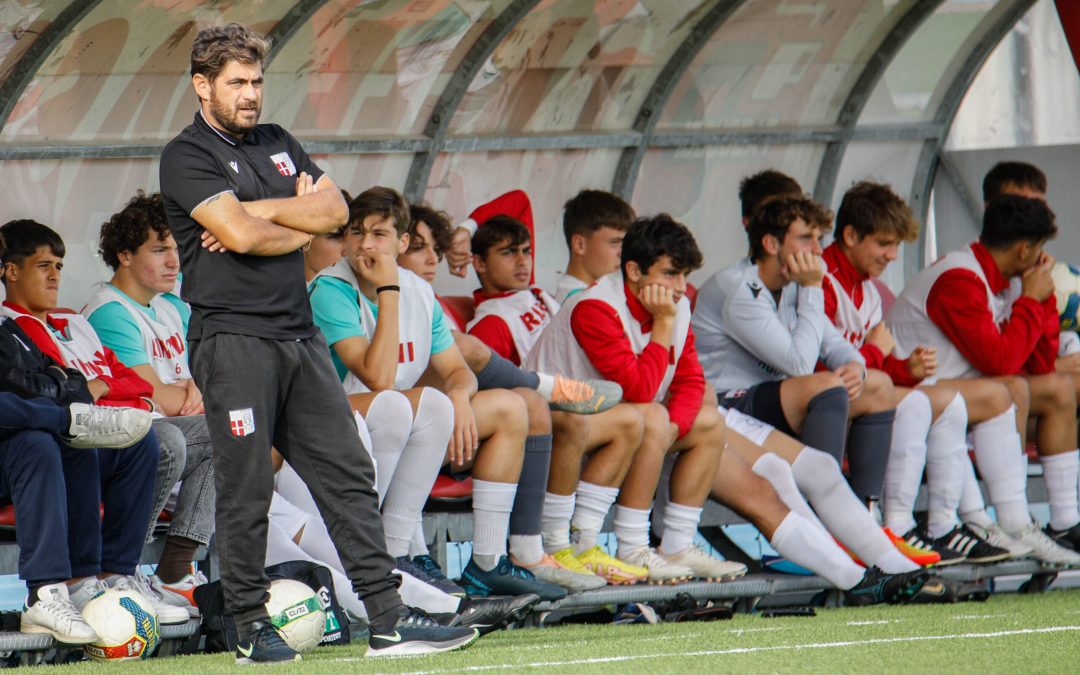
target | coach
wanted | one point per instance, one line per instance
(243, 200)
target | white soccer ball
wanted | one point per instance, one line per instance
(297, 613)
(1067, 292)
(126, 625)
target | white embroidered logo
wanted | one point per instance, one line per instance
(284, 164)
(235, 167)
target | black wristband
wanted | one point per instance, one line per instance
(393, 287)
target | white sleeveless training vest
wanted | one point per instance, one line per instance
(163, 339)
(910, 322)
(557, 351)
(80, 345)
(526, 313)
(416, 312)
(854, 322)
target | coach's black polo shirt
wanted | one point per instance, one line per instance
(263, 296)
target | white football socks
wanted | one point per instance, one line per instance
(1061, 473)
(804, 544)
(407, 490)
(946, 453)
(555, 521)
(818, 476)
(631, 528)
(680, 526)
(777, 471)
(492, 503)
(907, 459)
(593, 503)
(1001, 463)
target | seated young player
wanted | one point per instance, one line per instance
(80, 548)
(1027, 180)
(983, 324)
(762, 329)
(510, 312)
(137, 316)
(633, 327)
(931, 421)
(526, 543)
(594, 223)
(608, 434)
(33, 262)
(48, 436)
(486, 430)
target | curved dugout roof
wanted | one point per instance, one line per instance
(666, 102)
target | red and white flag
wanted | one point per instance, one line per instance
(242, 422)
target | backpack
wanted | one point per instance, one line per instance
(219, 628)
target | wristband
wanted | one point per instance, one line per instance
(392, 287)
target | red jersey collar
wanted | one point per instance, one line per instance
(54, 322)
(479, 295)
(844, 271)
(997, 281)
(637, 310)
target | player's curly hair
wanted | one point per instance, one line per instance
(437, 221)
(648, 239)
(130, 228)
(215, 46)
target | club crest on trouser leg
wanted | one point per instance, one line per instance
(242, 422)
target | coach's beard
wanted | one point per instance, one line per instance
(229, 119)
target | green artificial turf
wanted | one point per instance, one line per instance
(1007, 634)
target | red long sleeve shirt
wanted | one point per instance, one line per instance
(600, 333)
(851, 283)
(493, 331)
(1025, 343)
(126, 387)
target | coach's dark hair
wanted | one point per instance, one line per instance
(769, 184)
(872, 208)
(22, 239)
(437, 221)
(130, 228)
(499, 229)
(1012, 218)
(590, 210)
(648, 239)
(380, 201)
(775, 217)
(1016, 174)
(215, 46)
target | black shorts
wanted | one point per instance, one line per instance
(762, 402)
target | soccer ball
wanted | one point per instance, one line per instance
(127, 628)
(297, 613)
(1067, 291)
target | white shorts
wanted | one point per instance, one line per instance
(751, 427)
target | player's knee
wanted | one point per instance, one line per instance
(434, 405)
(1019, 391)
(1062, 391)
(878, 390)
(939, 398)
(537, 410)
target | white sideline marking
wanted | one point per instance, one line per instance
(981, 616)
(740, 650)
(870, 623)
